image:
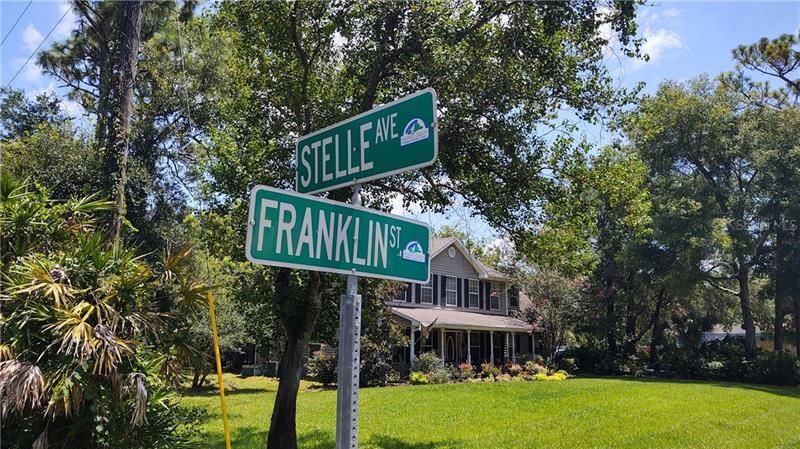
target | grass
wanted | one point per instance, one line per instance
(578, 413)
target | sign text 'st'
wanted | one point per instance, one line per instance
(390, 139)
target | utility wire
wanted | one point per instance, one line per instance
(16, 22)
(39, 46)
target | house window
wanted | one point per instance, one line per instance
(494, 296)
(474, 293)
(451, 291)
(401, 294)
(513, 297)
(426, 293)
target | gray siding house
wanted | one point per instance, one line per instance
(468, 312)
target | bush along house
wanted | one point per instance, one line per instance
(467, 312)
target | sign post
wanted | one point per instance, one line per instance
(296, 230)
(349, 361)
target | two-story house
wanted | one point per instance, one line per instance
(468, 312)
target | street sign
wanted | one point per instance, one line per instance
(390, 139)
(289, 229)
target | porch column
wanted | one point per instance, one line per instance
(533, 344)
(441, 345)
(513, 348)
(469, 347)
(411, 349)
(491, 347)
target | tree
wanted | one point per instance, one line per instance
(697, 130)
(500, 70)
(779, 59)
(87, 350)
(554, 305)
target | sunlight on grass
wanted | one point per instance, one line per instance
(578, 413)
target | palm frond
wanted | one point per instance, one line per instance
(107, 350)
(22, 386)
(36, 276)
(136, 387)
(173, 262)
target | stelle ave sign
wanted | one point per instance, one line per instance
(294, 230)
(390, 139)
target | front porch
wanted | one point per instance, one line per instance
(458, 337)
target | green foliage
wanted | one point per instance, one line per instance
(419, 378)
(427, 362)
(554, 305)
(440, 376)
(91, 335)
(322, 367)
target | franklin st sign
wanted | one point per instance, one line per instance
(288, 229)
(390, 139)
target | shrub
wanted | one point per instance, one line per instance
(457, 374)
(486, 369)
(427, 362)
(419, 378)
(466, 369)
(440, 376)
(513, 368)
(322, 367)
(376, 369)
(503, 378)
(774, 368)
(532, 367)
(567, 364)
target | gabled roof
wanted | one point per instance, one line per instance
(438, 245)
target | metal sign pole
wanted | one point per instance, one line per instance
(349, 358)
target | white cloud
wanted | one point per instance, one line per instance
(656, 43)
(672, 13)
(69, 107)
(68, 24)
(31, 37)
(31, 73)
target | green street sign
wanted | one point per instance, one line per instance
(289, 229)
(390, 139)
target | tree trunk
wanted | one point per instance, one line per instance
(116, 158)
(630, 326)
(780, 289)
(298, 322)
(658, 328)
(797, 323)
(611, 339)
(743, 277)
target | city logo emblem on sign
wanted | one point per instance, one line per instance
(414, 252)
(414, 131)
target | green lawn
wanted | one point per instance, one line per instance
(577, 413)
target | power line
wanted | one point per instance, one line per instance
(16, 22)
(39, 46)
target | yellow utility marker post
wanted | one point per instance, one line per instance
(219, 371)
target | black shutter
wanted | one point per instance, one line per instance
(480, 295)
(418, 293)
(460, 294)
(435, 285)
(443, 282)
(488, 287)
(466, 292)
(408, 292)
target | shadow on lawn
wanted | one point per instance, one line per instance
(788, 391)
(229, 391)
(325, 440)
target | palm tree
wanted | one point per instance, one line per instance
(91, 350)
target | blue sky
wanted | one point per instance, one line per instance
(684, 39)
